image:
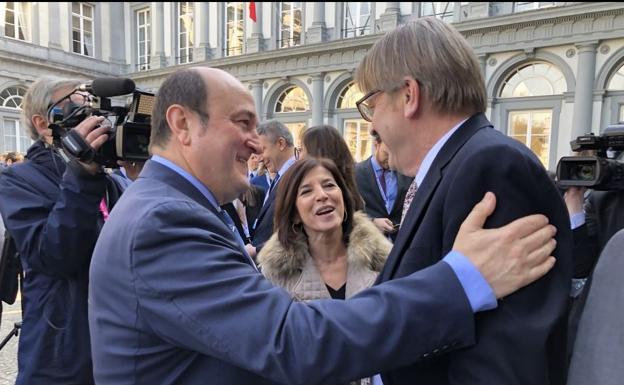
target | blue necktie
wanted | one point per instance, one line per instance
(274, 182)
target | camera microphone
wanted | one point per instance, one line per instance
(107, 87)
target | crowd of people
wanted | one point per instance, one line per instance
(233, 257)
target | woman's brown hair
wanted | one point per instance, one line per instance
(286, 200)
(326, 142)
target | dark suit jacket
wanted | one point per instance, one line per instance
(171, 295)
(263, 229)
(522, 341)
(253, 210)
(375, 206)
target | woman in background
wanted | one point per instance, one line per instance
(321, 247)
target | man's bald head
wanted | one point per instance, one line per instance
(191, 88)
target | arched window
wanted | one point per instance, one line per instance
(293, 99)
(12, 137)
(12, 97)
(354, 129)
(348, 96)
(533, 125)
(616, 83)
(534, 79)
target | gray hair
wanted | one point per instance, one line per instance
(437, 56)
(274, 129)
(39, 97)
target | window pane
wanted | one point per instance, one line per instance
(617, 80)
(76, 7)
(9, 17)
(88, 26)
(88, 10)
(519, 124)
(9, 30)
(297, 130)
(76, 22)
(76, 47)
(349, 95)
(621, 113)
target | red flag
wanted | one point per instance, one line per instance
(252, 10)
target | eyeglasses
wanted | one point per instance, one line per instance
(365, 109)
(78, 98)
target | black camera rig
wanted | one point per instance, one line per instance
(598, 172)
(130, 125)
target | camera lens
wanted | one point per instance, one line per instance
(584, 172)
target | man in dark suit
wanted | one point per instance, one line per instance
(382, 188)
(172, 291)
(278, 154)
(429, 109)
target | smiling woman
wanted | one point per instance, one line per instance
(321, 248)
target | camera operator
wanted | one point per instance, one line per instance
(54, 209)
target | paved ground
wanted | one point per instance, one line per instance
(8, 355)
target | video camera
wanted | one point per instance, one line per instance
(598, 172)
(130, 125)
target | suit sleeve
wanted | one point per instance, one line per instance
(514, 341)
(196, 291)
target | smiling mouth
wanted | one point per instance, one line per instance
(325, 210)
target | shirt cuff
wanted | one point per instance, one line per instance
(477, 289)
(577, 220)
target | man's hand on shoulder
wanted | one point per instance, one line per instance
(509, 257)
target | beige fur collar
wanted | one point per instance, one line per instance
(367, 248)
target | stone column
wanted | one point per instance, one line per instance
(255, 42)
(317, 33)
(389, 20)
(158, 59)
(483, 64)
(317, 99)
(202, 43)
(583, 94)
(256, 92)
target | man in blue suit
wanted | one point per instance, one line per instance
(428, 107)
(175, 299)
(278, 154)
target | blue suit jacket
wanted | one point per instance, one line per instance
(522, 341)
(261, 180)
(173, 300)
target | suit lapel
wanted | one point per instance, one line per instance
(374, 187)
(425, 191)
(267, 204)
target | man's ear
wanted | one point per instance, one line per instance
(412, 98)
(41, 125)
(178, 121)
(281, 143)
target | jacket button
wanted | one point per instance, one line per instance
(436, 351)
(426, 355)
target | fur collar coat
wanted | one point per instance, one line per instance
(293, 268)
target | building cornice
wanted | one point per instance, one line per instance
(571, 24)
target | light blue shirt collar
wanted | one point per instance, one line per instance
(433, 153)
(186, 175)
(376, 166)
(286, 166)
